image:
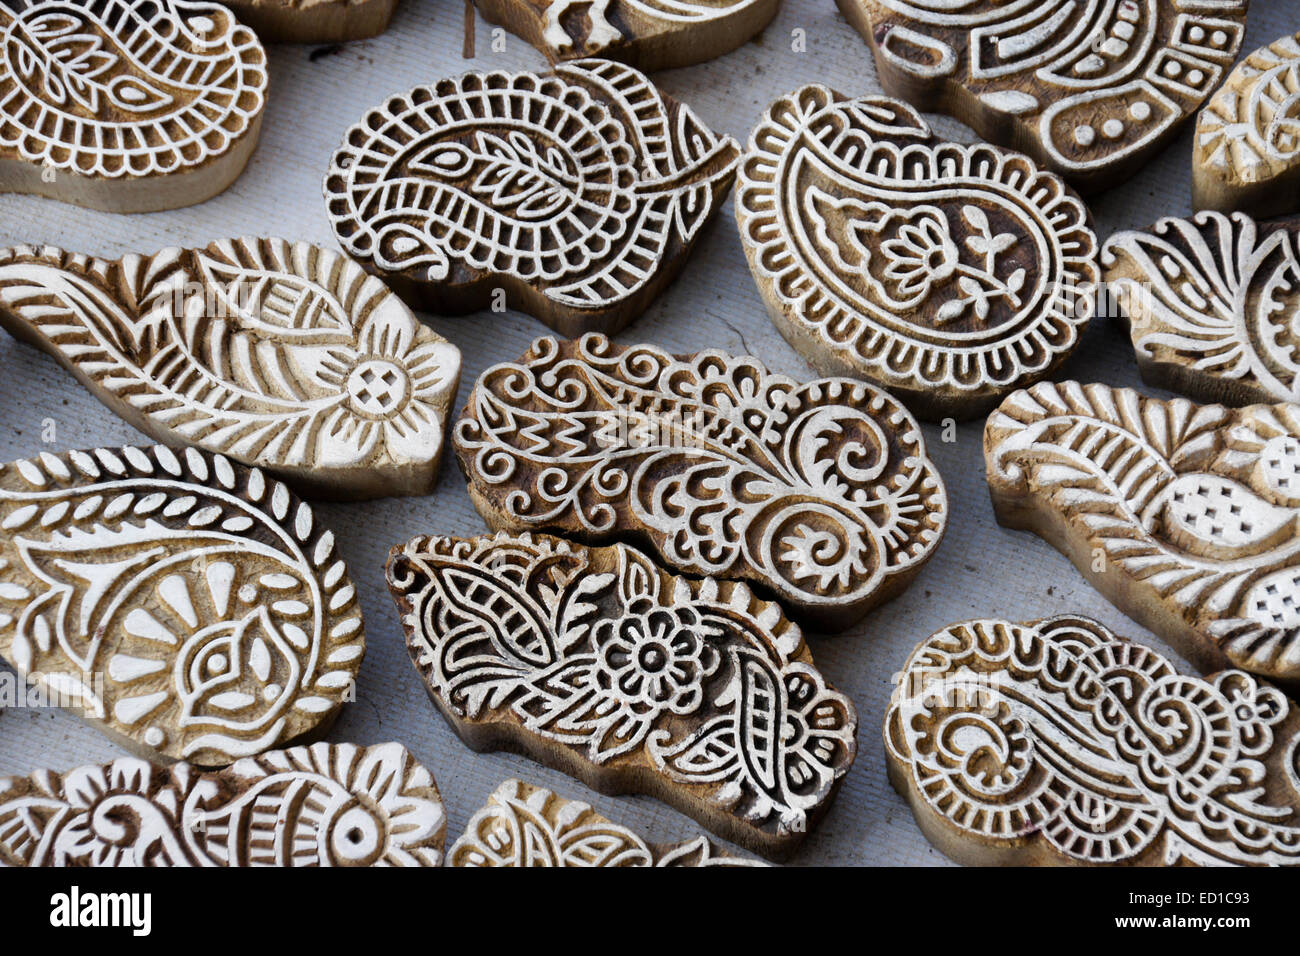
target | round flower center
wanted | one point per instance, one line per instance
(653, 657)
(377, 387)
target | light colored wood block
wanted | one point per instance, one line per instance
(1246, 155)
(315, 21)
(1184, 516)
(574, 196)
(819, 493)
(646, 34)
(190, 608)
(527, 826)
(127, 107)
(323, 805)
(1210, 303)
(596, 662)
(948, 274)
(1057, 743)
(1091, 89)
(276, 354)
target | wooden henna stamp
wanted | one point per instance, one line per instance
(1210, 303)
(1056, 742)
(127, 107)
(276, 354)
(1184, 516)
(575, 196)
(314, 21)
(1092, 89)
(527, 826)
(323, 805)
(1247, 151)
(598, 663)
(191, 608)
(646, 34)
(947, 274)
(820, 493)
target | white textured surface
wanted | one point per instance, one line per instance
(980, 569)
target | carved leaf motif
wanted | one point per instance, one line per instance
(700, 683)
(276, 353)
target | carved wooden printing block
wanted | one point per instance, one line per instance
(126, 107)
(1090, 88)
(600, 664)
(1247, 152)
(1056, 742)
(315, 21)
(821, 493)
(277, 354)
(191, 608)
(324, 805)
(1184, 516)
(1211, 303)
(647, 34)
(526, 826)
(947, 274)
(578, 193)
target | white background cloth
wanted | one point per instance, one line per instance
(980, 570)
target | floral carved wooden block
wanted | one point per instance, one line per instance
(191, 608)
(948, 274)
(126, 107)
(323, 805)
(1210, 302)
(647, 34)
(575, 196)
(1247, 151)
(276, 354)
(598, 663)
(314, 21)
(1092, 89)
(1056, 742)
(1184, 516)
(820, 493)
(527, 826)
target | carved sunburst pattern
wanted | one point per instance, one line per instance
(324, 805)
(184, 602)
(1057, 742)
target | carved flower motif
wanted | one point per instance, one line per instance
(650, 660)
(922, 254)
(393, 393)
(111, 819)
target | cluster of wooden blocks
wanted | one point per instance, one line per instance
(662, 526)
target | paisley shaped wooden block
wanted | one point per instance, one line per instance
(1210, 303)
(523, 825)
(277, 354)
(821, 493)
(647, 34)
(1247, 151)
(1056, 742)
(126, 107)
(323, 805)
(948, 274)
(314, 21)
(1184, 516)
(189, 607)
(597, 663)
(577, 194)
(1092, 89)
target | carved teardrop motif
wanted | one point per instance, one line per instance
(190, 607)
